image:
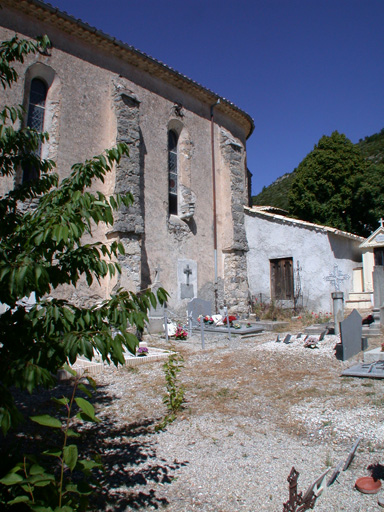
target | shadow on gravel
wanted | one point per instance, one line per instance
(128, 453)
(129, 459)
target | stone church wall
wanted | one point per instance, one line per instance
(100, 98)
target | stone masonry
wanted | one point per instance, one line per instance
(129, 222)
(235, 262)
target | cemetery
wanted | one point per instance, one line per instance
(272, 419)
(259, 411)
(223, 405)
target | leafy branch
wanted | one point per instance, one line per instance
(42, 489)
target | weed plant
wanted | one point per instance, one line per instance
(174, 396)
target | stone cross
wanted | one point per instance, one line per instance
(336, 277)
(187, 271)
(157, 273)
(381, 222)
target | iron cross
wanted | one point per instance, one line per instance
(337, 277)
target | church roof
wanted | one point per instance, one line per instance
(262, 211)
(47, 13)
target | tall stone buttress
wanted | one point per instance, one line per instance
(235, 260)
(129, 222)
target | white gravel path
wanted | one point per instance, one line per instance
(239, 459)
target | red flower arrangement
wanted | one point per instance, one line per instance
(231, 319)
(180, 333)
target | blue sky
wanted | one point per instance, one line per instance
(300, 68)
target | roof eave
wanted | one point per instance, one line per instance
(141, 60)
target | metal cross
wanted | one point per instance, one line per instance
(336, 277)
(188, 272)
(299, 503)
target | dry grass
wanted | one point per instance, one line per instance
(241, 381)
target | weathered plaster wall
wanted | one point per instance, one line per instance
(368, 266)
(100, 99)
(316, 251)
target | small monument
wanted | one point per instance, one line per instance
(336, 278)
(156, 315)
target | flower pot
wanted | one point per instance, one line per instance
(368, 485)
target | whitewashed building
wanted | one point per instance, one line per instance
(292, 261)
(371, 278)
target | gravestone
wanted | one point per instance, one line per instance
(197, 307)
(323, 334)
(350, 334)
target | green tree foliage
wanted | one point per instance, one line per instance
(329, 186)
(42, 247)
(372, 147)
(370, 192)
(47, 483)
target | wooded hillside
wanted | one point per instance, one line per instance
(371, 148)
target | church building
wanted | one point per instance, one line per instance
(187, 167)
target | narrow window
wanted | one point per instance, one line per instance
(172, 171)
(282, 279)
(36, 112)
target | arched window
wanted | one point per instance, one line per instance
(172, 171)
(35, 120)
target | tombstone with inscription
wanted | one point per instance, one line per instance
(350, 334)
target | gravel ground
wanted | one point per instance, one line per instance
(254, 408)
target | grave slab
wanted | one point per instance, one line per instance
(270, 325)
(316, 329)
(373, 355)
(234, 332)
(154, 354)
(365, 370)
